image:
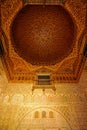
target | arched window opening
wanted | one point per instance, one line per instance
(51, 114)
(36, 114)
(43, 114)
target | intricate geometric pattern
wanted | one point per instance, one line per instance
(67, 70)
(43, 35)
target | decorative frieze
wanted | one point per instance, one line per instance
(44, 2)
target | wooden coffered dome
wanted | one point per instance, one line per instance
(43, 35)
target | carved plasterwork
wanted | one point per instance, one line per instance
(17, 104)
(19, 107)
(64, 71)
(39, 118)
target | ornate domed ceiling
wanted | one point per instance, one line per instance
(43, 39)
(43, 35)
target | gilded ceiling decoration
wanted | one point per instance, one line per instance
(43, 35)
(43, 39)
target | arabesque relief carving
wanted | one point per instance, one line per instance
(22, 69)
